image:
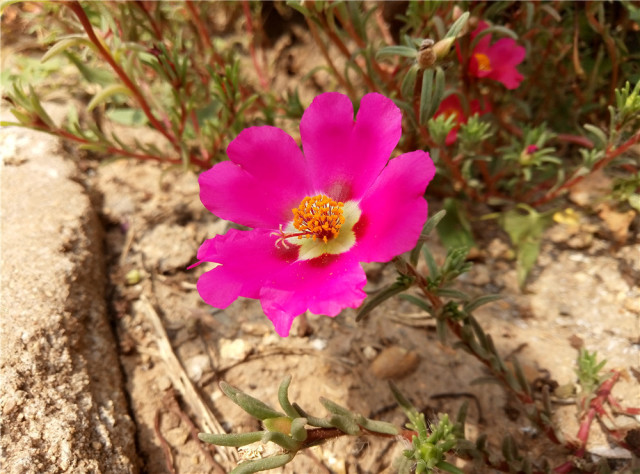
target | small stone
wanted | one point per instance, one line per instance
(498, 249)
(633, 305)
(236, 349)
(97, 446)
(369, 353)
(394, 362)
(480, 275)
(254, 329)
(319, 344)
(177, 436)
(163, 382)
(196, 366)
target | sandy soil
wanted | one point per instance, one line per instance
(154, 225)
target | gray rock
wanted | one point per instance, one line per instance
(61, 399)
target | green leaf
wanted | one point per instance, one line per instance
(409, 82)
(431, 263)
(256, 408)
(66, 43)
(264, 464)
(400, 398)
(599, 134)
(383, 295)
(377, 426)
(425, 95)
(312, 420)
(451, 293)
(345, 424)
(433, 222)
(457, 26)
(298, 430)
(92, 75)
(388, 51)
(454, 228)
(503, 30)
(129, 117)
(283, 398)
(333, 407)
(438, 92)
(525, 231)
(447, 467)
(234, 439)
(37, 107)
(106, 93)
(419, 302)
(251, 405)
(482, 300)
(281, 439)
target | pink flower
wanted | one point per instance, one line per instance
(497, 61)
(314, 216)
(532, 149)
(451, 106)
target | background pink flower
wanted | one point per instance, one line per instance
(451, 106)
(496, 61)
(315, 216)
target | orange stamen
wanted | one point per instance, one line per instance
(317, 217)
(484, 63)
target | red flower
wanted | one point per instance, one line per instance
(497, 61)
(451, 106)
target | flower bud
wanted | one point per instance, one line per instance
(426, 54)
(527, 154)
(442, 47)
(281, 424)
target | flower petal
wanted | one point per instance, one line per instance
(266, 178)
(506, 52)
(345, 157)
(325, 285)
(247, 259)
(394, 210)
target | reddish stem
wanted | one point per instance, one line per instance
(610, 155)
(323, 49)
(203, 36)
(118, 151)
(247, 14)
(86, 24)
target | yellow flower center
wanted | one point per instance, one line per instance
(484, 63)
(318, 217)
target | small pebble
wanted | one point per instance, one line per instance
(369, 353)
(394, 362)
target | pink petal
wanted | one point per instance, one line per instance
(247, 259)
(474, 68)
(266, 178)
(325, 285)
(344, 156)
(452, 136)
(394, 210)
(482, 25)
(506, 52)
(483, 45)
(510, 77)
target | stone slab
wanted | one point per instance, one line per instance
(62, 405)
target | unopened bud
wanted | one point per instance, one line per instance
(527, 154)
(426, 54)
(457, 13)
(442, 47)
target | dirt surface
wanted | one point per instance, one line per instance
(154, 225)
(172, 349)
